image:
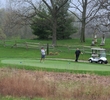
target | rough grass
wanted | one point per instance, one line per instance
(53, 86)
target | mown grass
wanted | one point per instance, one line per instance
(58, 66)
(63, 52)
(62, 49)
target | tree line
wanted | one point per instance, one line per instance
(56, 18)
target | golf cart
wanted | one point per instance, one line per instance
(98, 56)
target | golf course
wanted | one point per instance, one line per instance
(59, 58)
(54, 49)
(24, 77)
(58, 64)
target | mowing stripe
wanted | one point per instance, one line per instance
(59, 64)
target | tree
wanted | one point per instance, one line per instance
(103, 40)
(103, 19)
(40, 25)
(13, 25)
(2, 35)
(65, 21)
(65, 27)
(54, 10)
(27, 9)
(40, 29)
(87, 10)
(2, 23)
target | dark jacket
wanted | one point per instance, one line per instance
(77, 52)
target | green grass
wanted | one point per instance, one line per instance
(58, 66)
(21, 98)
(23, 53)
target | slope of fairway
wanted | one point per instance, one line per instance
(58, 64)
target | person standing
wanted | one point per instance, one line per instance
(42, 54)
(77, 53)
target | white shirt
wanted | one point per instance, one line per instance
(43, 51)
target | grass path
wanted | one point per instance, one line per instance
(58, 64)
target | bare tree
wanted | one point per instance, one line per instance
(2, 22)
(27, 9)
(14, 25)
(86, 12)
(54, 10)
(103, 19)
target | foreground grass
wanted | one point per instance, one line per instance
(27, 85)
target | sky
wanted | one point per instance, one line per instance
(2, 3)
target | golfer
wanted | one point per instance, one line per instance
(42, 54)
(77, 53)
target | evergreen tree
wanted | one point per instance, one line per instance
(43, 28)
(40, 29)
(40, 25)
(65, 27)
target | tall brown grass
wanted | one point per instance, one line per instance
(53, 86)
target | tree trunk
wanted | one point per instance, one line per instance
(83, 21)
(54, 30)
(82, 38)
(103, 40)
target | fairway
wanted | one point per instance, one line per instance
(58, 64)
